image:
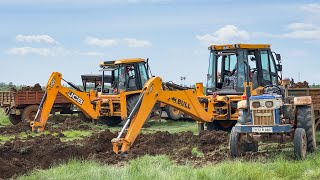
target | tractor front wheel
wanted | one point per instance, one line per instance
(235, 143)
(300, 143)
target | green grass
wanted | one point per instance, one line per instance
(172, 126)
(4, 121)
(196, 152)
(160, 167)
(75, 135)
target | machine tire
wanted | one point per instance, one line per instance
(235, 144)
(14, 119)
(221, 125)
(114, 121)
(131, 102)
(173, 113)
(29, 113)
(305, 120)
(300, 143)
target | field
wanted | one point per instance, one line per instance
(71, 149)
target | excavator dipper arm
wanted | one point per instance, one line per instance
(81, 99)
(184, 100)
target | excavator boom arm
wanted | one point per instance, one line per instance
(184, 100)
(80, 99)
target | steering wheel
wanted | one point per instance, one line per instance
(274, 91)
(254, 70)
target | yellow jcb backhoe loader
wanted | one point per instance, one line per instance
(113, 95)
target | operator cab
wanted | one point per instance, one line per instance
(228, 68)
(126, 75)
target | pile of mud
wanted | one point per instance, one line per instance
(303, 84)
(36, 87)
(19, 157)
(56, 123)
(66, 123)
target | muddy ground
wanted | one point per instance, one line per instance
(21, 156)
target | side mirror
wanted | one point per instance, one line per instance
(279, 67)
(278, 57)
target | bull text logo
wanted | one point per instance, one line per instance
(181, 102)
(75, 97)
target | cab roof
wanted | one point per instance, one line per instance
(239, 46)
(121, 61)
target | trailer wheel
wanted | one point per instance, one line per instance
(300, 143)
(306, 121)
(173, 113)
(235, 144)
(29, 113)
(14, 119)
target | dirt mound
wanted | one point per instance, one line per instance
(36, 87)
(303, 84)
(19, 157)
(66, 123)
(15, 129)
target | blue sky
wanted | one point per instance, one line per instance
(72, 37)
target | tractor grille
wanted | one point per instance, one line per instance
(263, 117)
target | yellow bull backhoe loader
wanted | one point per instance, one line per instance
(237, 72)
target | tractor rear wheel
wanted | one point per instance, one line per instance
(300, 143)
(14, 119)
(173, 113)
(235, 144)
(29, 113)
(306, 121)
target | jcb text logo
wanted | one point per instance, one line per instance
(181, 102)
(52, 82)
(75, 97)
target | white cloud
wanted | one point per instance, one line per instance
(36, 38)
(101, 42)
(313, 8)
(306, 31)
(106, 43)
(56, 51)
(21, 51)
(226, 34)
(135, 43)
(298, 26)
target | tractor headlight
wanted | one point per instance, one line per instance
(256, 104)
(269, 104)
